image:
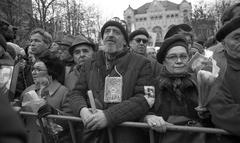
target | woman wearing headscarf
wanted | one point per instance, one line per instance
(176, 94)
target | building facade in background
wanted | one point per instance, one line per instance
(157, 17)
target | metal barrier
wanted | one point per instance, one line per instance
(128, 124)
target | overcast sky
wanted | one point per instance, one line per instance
(112, 8)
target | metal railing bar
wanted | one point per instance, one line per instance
(71, 118)
(180, 128)
(143, 125)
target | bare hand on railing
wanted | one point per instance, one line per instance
(98, 121)
(157, 123)
(86, 115)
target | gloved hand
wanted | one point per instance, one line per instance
(46, 110)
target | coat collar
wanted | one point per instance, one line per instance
(53, 87)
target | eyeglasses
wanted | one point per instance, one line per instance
(38, 69)
(138, 40)
(122, 22)
(78, 51)
(173, 57)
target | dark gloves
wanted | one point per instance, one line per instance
(46, 110)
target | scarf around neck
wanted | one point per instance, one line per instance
(175, 83)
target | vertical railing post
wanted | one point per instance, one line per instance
(151, 136)
(110, 135)
(72, 131)
(43, 130)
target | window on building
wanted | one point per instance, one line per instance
(185, 12)
(176, 15)
(145, 18)
(172, 15)
(160, 16)
(168, 16)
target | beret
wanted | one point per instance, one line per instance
(175, 40)
(138, 32)
(227, 28)
(175, 29)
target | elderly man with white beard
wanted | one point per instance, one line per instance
(118, 80)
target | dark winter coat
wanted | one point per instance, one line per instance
(176, 98)
(136, 72)
(71, 76)
(225, 105)
(156, 67)
(12, 129)
(219, 56)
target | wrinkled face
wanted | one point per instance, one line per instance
(81, 53)
(54, 49)
(232, 43)
(189, 41)
(113, 40)
(39, 70)
(151, 53)
(176, 60)
(37, 44)
(64, 54)
(139, 44)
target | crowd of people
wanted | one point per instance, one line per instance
(128, 81)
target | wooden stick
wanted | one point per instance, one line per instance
(92, 101)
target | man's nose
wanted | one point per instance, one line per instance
(110, 33)
(141, 42)
(34, 72)
(82, 54)
(32, 43)
(179, 60)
